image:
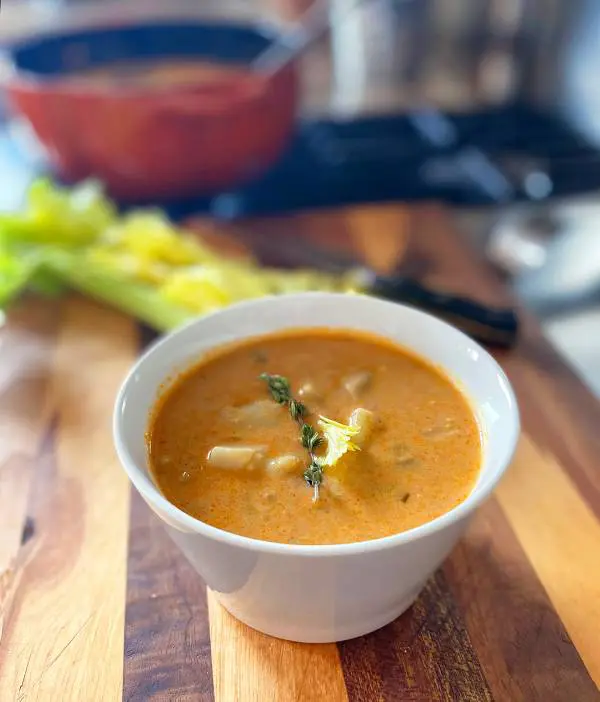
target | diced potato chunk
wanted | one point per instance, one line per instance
(261, 413)
(236, 457)
(443, 429)
(405, 459)
(288, 463)
(357, 383)
(335, 487)
(364, 420)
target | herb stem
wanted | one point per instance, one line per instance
(280, 390)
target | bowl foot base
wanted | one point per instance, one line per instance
(301, 633)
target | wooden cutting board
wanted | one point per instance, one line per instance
(98, 604)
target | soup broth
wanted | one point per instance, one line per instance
(223, 450)
(161, 73)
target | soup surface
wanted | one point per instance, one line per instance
(161, 73)
(223, 450)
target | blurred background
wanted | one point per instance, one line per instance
(489, 106)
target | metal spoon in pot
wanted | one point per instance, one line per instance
(292, 42)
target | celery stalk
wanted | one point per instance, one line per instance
(138, 299)
(16, 273)
(140, 263)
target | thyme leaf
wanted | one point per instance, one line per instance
(280, 390)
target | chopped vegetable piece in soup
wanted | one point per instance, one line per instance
(334, 436)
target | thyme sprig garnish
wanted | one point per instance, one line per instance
(280, 390)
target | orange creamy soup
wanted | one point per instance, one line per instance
(225, 445)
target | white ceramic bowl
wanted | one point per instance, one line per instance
(319, 593)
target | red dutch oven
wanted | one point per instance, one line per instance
(154, 142)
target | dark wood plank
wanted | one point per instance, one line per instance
(426, 655)
(525, 652)
(167, 641)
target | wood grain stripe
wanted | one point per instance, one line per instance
(17, 475)
(251, 667)
(559, 412)
(80, 566)
(522, 645)
(424, 656)
(379, 235)
(167, 645)
(561, 538)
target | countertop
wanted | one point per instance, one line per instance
(98, 604)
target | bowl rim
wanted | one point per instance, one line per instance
(16, 78)
(149, 491)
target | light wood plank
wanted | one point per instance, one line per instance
(25, 353)
(66, 642)
(26, 341)
(251, 667)
(561, 538)
(15, 481)
(380, 234)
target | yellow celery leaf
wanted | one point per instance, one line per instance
(133, 267)
(339, 440)
(149, 235)
(210, 286)
(200, 293)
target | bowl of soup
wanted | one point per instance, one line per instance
(157, 111)
(316, 456)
